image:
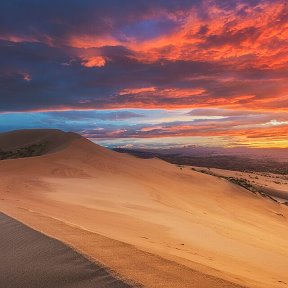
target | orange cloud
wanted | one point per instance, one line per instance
(237, 47)
(91, 41)
(163, 93)
(137, 90)
(257, 38)
(254, 137)
(96, 61)
(246, 36)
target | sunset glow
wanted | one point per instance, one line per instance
(203, 71)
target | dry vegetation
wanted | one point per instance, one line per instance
(23, 152)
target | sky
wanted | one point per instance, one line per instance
(141, 73)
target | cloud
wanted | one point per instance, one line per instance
(96, 61)
(124, 82)
(95, 115)
(133, 91)
(214, 58)
(236, 127)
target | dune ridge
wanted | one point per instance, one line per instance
(53, 139)
(189, 218)
(56, 265)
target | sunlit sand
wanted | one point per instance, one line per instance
(187, 228)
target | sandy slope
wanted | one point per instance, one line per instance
(57, 266)
(52, 138)
(275, 185)
(192, 219)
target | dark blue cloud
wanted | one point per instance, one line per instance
(58, 19)
(44, 73)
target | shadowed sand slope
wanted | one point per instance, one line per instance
(189, 218)
(30, 259)
(46, 141)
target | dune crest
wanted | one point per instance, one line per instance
(45, 140)
(192, 219)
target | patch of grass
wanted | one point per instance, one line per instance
(241, 182)
(247, 185)
(23, 152)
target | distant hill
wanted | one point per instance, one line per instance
(262, 160)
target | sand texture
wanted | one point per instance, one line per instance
(30, 259)
(189, 229)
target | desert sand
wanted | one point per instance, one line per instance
(30, 259)
(274, 185)
(149, 221)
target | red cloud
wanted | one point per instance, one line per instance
(239, 57)
(95, 61)
(257, 38)
(163, 93)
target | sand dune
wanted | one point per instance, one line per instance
(53, 139)
(218, 231)
(30, 259)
